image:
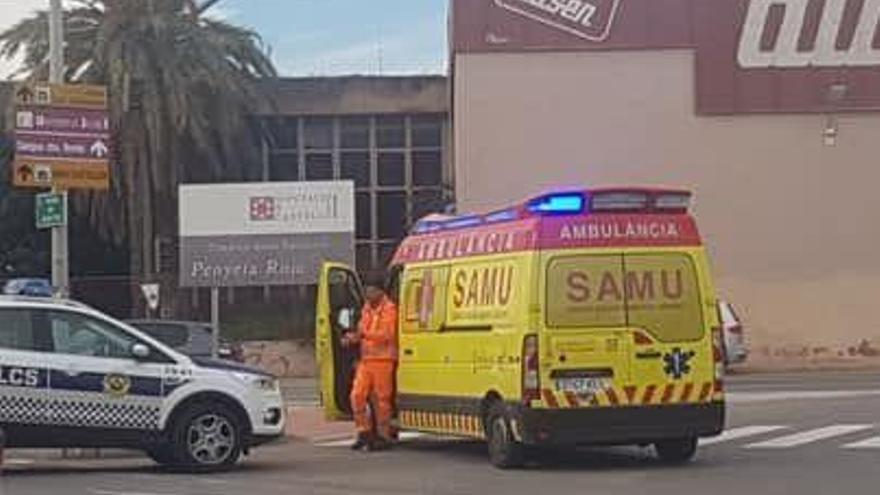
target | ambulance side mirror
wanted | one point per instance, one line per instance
(345, 319)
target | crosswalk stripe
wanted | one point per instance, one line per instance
(808, 436)
(742, 432)
(729, 435)
(337, 443)
(871, 443)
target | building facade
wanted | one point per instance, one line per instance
(767, 109)
(387, 134)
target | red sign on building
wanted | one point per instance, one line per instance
(590, 20)
(752, 56)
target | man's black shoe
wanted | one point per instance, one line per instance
(363, 441)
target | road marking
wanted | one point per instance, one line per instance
(113, 492)
(332, 438)
(18, 462)
(752, 397)
(403, 437)
(729, 435)
(871, 443)
(743, 432)
(809, 436)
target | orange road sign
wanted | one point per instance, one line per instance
(62, 95)
(78, 174)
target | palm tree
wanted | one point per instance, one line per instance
(182, 86)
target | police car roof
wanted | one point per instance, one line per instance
(40, 301)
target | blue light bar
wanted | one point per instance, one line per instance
(558, 203)
(424, 227)
(462, 222)
(502, 216)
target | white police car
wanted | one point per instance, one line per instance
(71, 376)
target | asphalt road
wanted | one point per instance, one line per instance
(787, 434)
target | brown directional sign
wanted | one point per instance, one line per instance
(80, 174)
(62, 137)
(63, 95)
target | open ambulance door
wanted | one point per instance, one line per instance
(339, 302)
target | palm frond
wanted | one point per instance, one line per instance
(182, 88)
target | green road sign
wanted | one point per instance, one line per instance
(51, 211)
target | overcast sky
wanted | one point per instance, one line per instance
(325, 37)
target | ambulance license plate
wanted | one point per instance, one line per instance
(581, 386)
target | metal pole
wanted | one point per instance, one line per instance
(60, 270)
(56, 43)
(215, 321)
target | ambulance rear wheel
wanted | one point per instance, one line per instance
(677, 450)
(504, 451)
(207, 437)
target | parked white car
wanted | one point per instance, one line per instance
(735, 347)
(71, 376)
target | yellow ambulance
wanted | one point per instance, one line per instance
(576, 317)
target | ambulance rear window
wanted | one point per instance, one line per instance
(586, 291)
(656, 292)
(663, 296)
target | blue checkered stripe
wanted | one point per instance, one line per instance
(59, 399)
(99, 411)
(22, 405)
(37, 407)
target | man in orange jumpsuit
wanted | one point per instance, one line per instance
(377, 336)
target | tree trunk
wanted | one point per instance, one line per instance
(134, 230)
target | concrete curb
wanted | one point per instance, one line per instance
(776, 368)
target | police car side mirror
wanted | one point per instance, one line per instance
(140, 351)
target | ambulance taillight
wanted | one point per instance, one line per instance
(718, 352)
(531, 377)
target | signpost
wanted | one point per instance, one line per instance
(151, 294)
(62, 141)
(62, 136)
(51, 210)
(236, 235)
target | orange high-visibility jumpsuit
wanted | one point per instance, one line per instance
(375, 372)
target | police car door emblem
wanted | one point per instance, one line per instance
(678, 363)
(117, 385)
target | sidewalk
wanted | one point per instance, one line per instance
(307, 423)
(305, 416)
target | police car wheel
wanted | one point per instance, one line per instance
(504, 451)
(676, 451)
(207, 436)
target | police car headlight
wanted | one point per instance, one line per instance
(264, 383)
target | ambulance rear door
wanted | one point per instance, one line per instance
(586, 338)
(339, 302)
(672, 352)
